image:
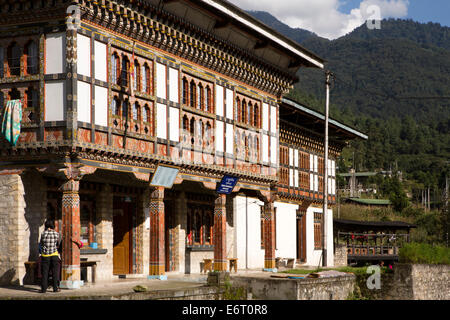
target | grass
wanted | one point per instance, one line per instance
(424, 253)
(355, 270)
(361, 213)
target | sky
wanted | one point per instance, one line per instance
(334, 18)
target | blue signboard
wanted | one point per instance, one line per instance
(227, 184)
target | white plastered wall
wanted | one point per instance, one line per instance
(55, 53)
(247, 228)
(55, 102)
(101, 59)
(286, 230)
(247, 233)
(84, 55)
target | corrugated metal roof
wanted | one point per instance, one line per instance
(379, 202)
(358, 174)
(322, 117)
(378, 224)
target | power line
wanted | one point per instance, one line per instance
(391, 96)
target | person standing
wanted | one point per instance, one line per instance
(50, 241)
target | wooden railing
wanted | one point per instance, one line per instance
(366, 244)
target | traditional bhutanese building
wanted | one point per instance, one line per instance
(113, 90)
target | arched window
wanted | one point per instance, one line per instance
(200, 97)
(14, 55)
(31, 53)
(246, 146)
(208, 133)
(200, 129)
(145, 76)
(14, 94)
(185, 91)
(238, 142)
(257, 148)
(146, 115)
(125, 72)
(243, 110)
(115, 106)
(192, 94)
(32, 98)
(192, 125)
(208, 99)
(115, 67)
(256, 116)
(125, 109)
(238, 109)
(137, 76)
(185, 123)
(135, 111)
(249, 114)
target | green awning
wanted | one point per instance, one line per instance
(378, 202)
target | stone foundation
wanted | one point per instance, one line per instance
(263, 288)
(340, 255)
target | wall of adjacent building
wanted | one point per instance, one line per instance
(23, 208)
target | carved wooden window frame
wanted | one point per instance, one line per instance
(14, 57)
(31, 61)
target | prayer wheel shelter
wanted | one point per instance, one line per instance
(371, 240)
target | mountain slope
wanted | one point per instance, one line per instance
(374, 70)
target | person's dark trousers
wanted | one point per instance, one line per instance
(47, 264)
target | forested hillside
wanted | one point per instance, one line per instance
(394, 85)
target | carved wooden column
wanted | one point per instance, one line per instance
(269, 235)
(71, 276)
(71, 227)
(157, 249)
(220, 238)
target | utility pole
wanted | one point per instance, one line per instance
(325, 184)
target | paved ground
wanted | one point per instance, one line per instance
(175, 286)
(118, 288)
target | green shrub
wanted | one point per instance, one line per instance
(424, 253)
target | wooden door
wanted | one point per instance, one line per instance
(122, 237)
(301, 237)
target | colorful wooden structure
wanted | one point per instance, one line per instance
(113, 89)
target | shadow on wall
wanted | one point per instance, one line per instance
(35, 197)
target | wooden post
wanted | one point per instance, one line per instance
(220, 239)
(157, 249)
(71, 229)
(269, 235)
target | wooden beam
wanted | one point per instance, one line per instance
(260, 45)
(220, 24)
(295, 64)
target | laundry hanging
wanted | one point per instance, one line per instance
(11, 119)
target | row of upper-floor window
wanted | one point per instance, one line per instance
(197, 94)
(122, 73)
(30, 102)
(136, 117)
(248, 112)
(13, 57)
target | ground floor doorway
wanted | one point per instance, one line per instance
(123, 211)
